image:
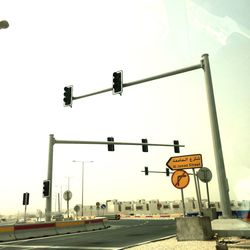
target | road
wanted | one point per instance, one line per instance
(120, 235)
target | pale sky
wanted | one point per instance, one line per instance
(52, 44)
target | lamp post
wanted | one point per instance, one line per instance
(83, 177)
(4, 24)
(59, 196)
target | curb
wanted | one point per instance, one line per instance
(34, 230)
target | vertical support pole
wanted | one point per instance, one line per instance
(61, 198)
(25, 211)
(55, 202)
(208, 198)
(59, 206)
(197, 193)
(82, 184)
(221, 173)
(199, 188)
(183, 203)
(68, 204)
(68, 198)
(49, 177)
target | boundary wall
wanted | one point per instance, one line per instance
(26, 231)
(160, 216)
(64, 227)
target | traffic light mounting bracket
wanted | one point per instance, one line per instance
(175, 72)
(146, 171)
(110, 142)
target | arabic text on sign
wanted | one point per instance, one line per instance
(185, 162)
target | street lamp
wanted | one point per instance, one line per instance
(4, 24)
(83, 177)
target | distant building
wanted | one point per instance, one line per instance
(154, 207)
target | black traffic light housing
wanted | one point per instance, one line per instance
(117, 82)
(146, 170)
(111, 147)
(176, 146)
(167, 171)
(68, 96)
(144, 147)
(46, 188)
(26, 197)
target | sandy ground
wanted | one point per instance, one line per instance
(173, 244)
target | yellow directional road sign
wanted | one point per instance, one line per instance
(185, 162)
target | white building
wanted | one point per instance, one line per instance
(153, 207)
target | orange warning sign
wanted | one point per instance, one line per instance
(180, 179)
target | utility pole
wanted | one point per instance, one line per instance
(49, 177)
(221, 173)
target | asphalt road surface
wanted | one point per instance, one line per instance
(120, 235)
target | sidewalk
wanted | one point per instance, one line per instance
(222, 227)
(233, 243)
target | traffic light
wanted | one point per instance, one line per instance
(146, 171)
(176, 147)
(167, 171)
(26, 197)
(68, 96)
(144, 147)
(46, 188)
(117, 82)
(111, 147)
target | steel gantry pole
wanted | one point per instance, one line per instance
(221, 173)
(53, 141)
(220, 168)
(49, 177)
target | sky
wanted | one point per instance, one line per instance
(52, 44)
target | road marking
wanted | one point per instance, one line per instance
(149, 241)
(59, 247)
(52, 236)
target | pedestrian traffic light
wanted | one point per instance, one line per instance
(146, 171)
(68, 96)
(176, 147)
(167, 171)
(144, 147)
(117, 82)
(46, 188)
(111, 147)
